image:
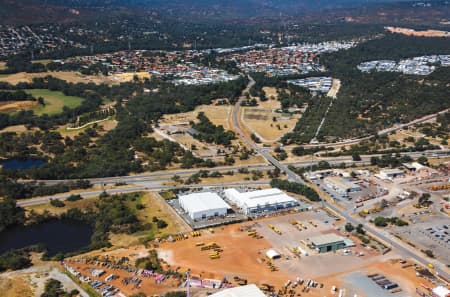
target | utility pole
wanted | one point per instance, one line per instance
(188, 285)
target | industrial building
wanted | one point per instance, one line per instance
(390, 173)
(273, 254)
(341, 185)
(203, 205)
(329, 242)
(247, 291)
(440, 291)
(260, 201)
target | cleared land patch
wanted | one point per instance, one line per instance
(266, 122)
(69, 76)
(12, 106)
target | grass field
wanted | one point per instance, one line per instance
(54, 101)
(81, 204)
(156, 207)
(45, 61)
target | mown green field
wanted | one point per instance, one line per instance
(54, 101)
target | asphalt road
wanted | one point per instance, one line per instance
(135, 188)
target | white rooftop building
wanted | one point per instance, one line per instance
(203, 205)
(390, 174)
(260, 201)
(242, 291)
(441, 291)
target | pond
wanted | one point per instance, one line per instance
(58, 236)
(21, 164)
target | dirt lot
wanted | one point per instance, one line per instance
(412, 32)
(270, 92)
(31, 281)
(217, 114)
(251, 264)
(334, 88)
(126, 77)
(70, 76)
(187, 255)
(259, 120)
(18, 129)
(11, 106)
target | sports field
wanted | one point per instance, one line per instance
(54, 101)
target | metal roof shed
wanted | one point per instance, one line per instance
(242, 291)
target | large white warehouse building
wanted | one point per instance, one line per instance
(260, 201)
(203, 205)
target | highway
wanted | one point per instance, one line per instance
(135, 188)
(164, 176)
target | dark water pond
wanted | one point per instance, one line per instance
(18, 164)
(58, 236)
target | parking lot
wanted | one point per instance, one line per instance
(433, 234)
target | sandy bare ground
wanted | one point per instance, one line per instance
(217, 114)
(424, 33)
(241, 256)
(125, 77)
(31, 281)
(18, 129)
(334, 88)
(260, 120)
(270, 92)
(10, 106)
(70, 76)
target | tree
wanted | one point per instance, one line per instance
(429, 253)
(380, 222)
(356, 157)
(424, 200)
(349, 227)
(57, 203)
(422, 160)
(161, 224)
(360, 229)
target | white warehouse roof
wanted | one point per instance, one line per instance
(242, 291)
(273, 254)
(256, 198)
(198, 202)
(441, 291)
